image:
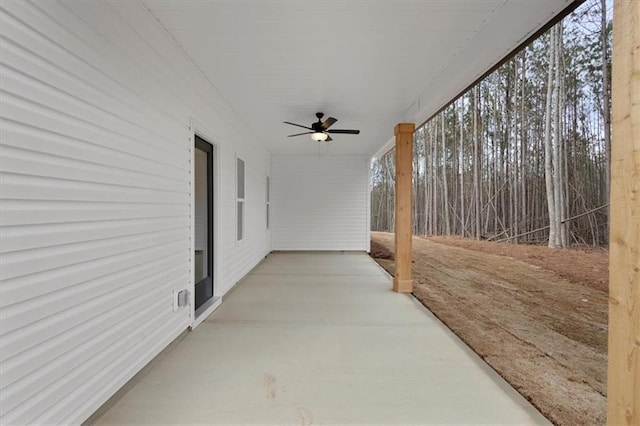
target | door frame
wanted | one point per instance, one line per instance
(197, 129)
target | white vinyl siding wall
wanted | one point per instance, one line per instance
(95, 210)
(319, 203)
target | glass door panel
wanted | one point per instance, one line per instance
(203, 222)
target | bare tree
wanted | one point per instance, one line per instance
(524, 155)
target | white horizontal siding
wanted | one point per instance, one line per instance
(96, 103)
(319, 203)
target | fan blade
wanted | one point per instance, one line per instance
(328, 122)
(345, 132)
(329, 138)
(300, 134)
(299, 125)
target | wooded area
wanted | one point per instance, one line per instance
(524, 155)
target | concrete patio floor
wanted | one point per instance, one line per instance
(318, 338)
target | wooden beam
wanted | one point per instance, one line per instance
(402, 282)
(623, 384)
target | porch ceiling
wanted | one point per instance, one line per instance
(371, 64)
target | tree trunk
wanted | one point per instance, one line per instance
(445, 190)
(558, 161)
(606, 105)
(548, 144)
(434, 168)
(476, 159)
(461, 166)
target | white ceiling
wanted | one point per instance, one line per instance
(370, 64)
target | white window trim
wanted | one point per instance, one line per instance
(241, 200)
(268, 204)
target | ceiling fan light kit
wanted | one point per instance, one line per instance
(319, 136)
(319, 131)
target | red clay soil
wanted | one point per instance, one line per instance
(538, 323)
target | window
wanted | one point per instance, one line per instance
(268, 199)
(239, 199)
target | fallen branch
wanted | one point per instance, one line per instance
(585, 213)
(497, 235)
(547, 227)
(523, 234)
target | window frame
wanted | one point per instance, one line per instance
(241, 201)
(268, 204)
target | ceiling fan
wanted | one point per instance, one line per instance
(319, 130)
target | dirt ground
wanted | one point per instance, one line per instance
(588, 266)
(538, 316)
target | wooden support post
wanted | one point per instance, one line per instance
(623, 387)
(402, 282)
